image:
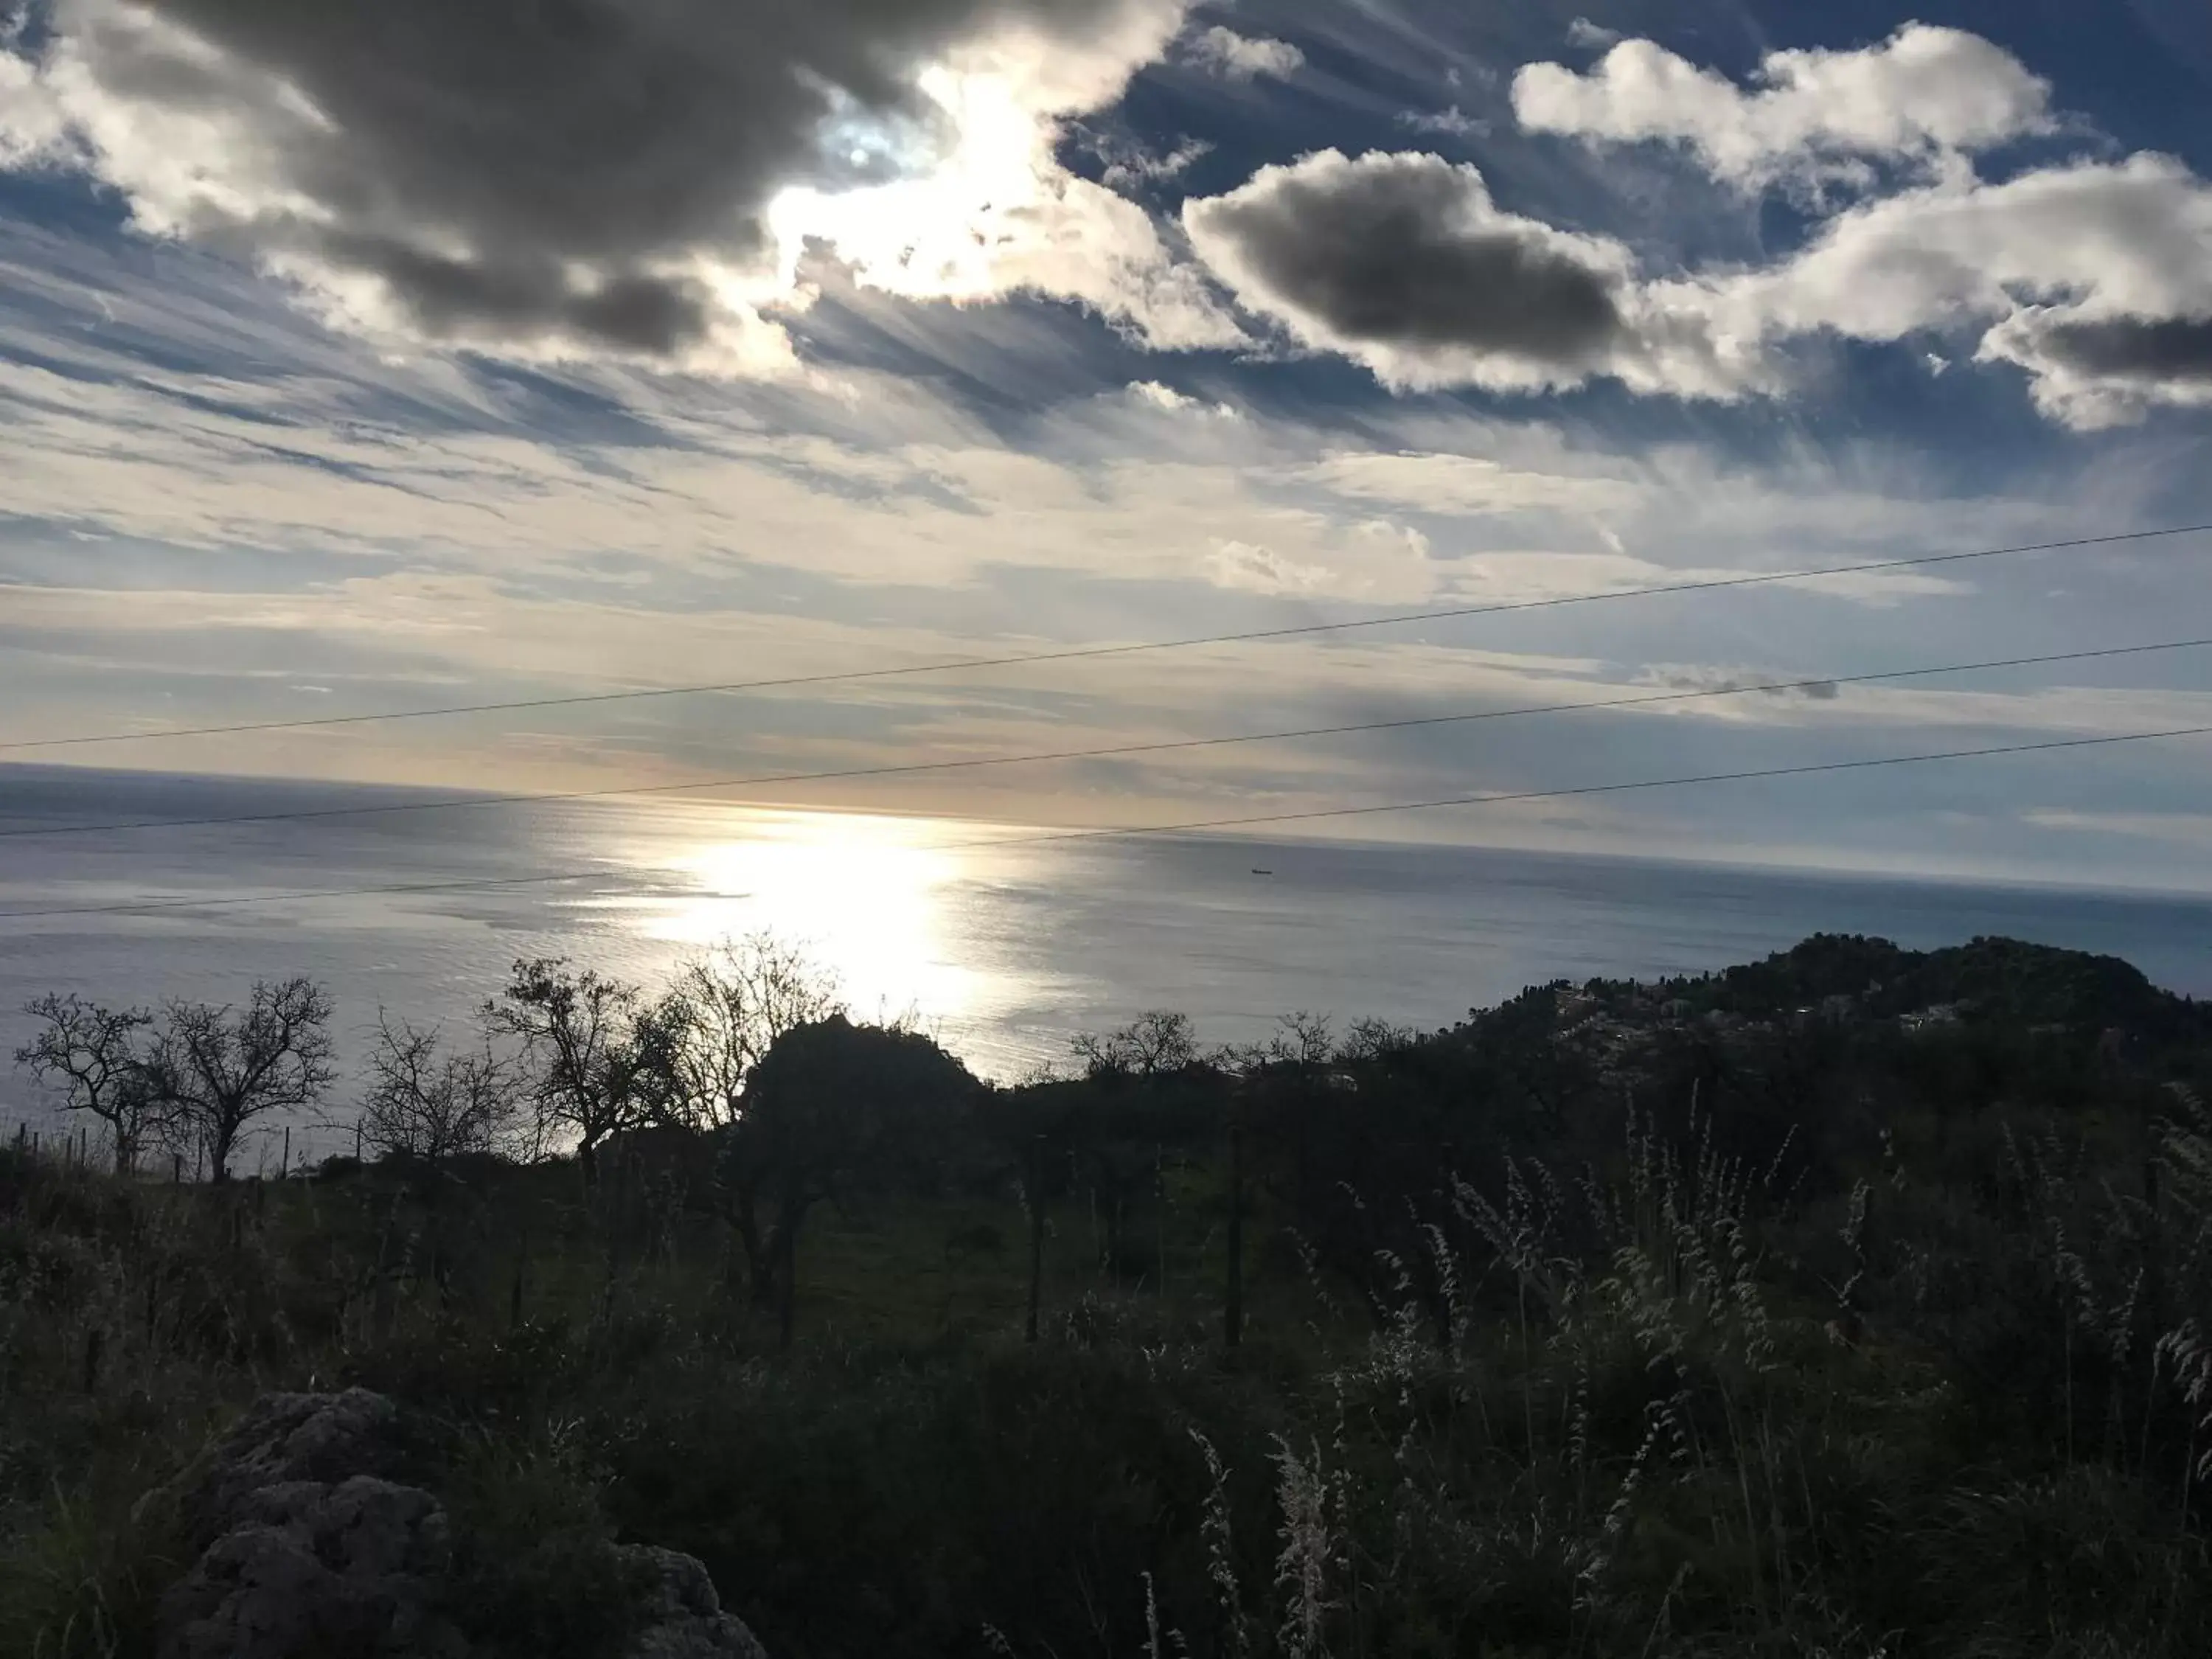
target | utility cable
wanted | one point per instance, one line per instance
(1192, 826)
(1075, 653)
(1112, 752)
(1196, 825)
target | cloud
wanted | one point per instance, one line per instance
(1583, 33)
(1130, 167)
(1923, 93)
(2094, 371)
(1404, 263)
(1459, 485)
(1450, 122)
(32, 130)
(1710, 678)
(2175, 347)
(622, 186)
(1234, 56)
(2093, 276)
(2096, 278)
(2191, 829)
(1152, 394)
(1253, 569)
(424, 530)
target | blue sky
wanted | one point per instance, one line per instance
(358, 359)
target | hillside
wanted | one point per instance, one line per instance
(1851, 1302)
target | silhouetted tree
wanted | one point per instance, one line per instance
(831, 1108)
(427, 1103)
(1157, 1041)
(732, 1004)
(600, 1062)
(96, 1057)
(217, 1069)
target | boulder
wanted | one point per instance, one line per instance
(680, 1616)
(290, 1439)
(307, 1547)
(311, 1546)
(346, 1571)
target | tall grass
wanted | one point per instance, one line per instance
(1676, 1401)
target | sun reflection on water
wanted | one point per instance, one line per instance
(871, 898)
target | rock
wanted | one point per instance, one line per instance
(680, 1615)
(350, 1570)
(310, 1548)
(286, 1439)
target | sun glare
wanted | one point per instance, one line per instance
(866, 896)
(929, 234)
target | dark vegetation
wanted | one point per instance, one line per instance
(1854, 1302)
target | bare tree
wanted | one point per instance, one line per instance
(738, 999)
(601, 1063)
(1153, 1044)
(427, 1103)
(1301, 1043)
(1375, 1039)
(1303, 1040)
(95, 1056)
(217, 1069)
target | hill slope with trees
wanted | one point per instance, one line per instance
(1857, 1301)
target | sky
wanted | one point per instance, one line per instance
(359, 359)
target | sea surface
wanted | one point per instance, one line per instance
(1004, 948)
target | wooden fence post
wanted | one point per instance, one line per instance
(1233, 1309)
(1036, 1234)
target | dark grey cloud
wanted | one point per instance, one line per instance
(515, 168)
(2171, 349)
(447, 297)
(1409, 251)
(1708, 681)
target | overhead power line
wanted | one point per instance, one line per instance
(1255, 820)
(1110, 751)
(480, 881)
(1075, 653)
(1193, 826)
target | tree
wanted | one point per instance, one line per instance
(217, 1070)
(428, 1104)
(599, 1062)
(833, 1107)
(94, 1054)
(737, 1000)
(1152, 1044)
(1372, 1039)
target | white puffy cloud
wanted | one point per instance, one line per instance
(1234, 57)
(640, 185)
(32, 129)
(2096, 278)
(1923, 93)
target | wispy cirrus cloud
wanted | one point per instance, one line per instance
(951, 350)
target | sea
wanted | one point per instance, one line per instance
(1005, 947)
